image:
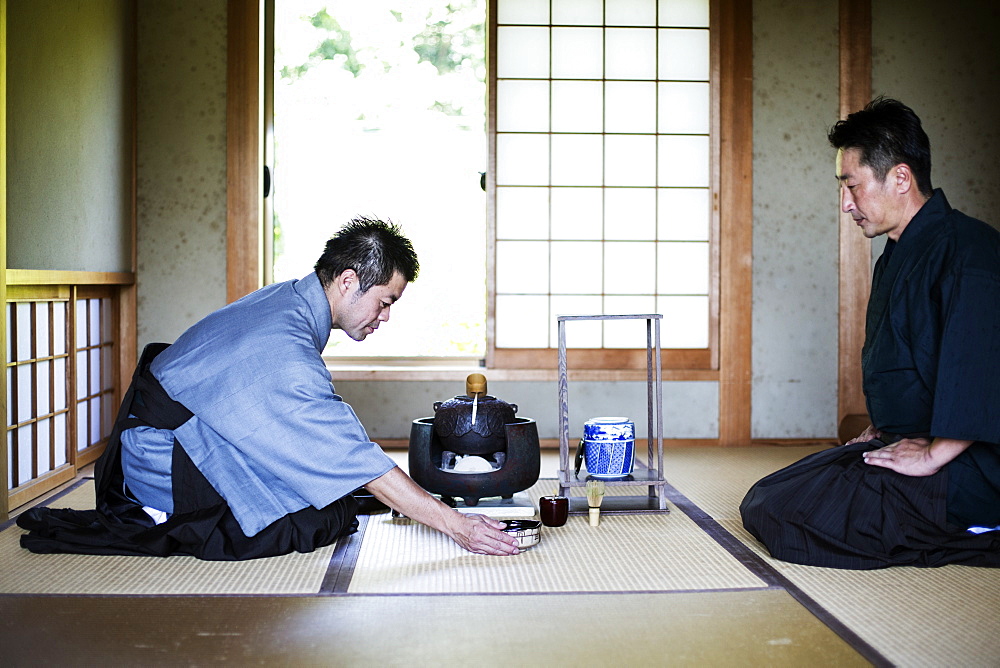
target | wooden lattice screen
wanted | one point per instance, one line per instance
(62, 393)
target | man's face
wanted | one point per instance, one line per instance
(869, 200)
(361, 314)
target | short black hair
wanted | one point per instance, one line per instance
(374, 249)
(887, 133)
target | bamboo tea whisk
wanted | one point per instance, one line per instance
(595, 494)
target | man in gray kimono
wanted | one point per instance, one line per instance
(233, 444)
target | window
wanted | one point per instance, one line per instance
(725, 355)
(603, 175)
(61, 382)
(37, 388)
(380, 110)
(95, 368)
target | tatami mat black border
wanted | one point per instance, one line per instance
(343, 560)
(770, 575)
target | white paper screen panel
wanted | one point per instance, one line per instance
(94, 372)
(37, 389)
(688, 13)
(602, 170)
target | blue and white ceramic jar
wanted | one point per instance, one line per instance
(609, 446)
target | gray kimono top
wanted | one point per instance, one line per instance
(268, 431)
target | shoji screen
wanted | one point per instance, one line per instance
(61, 382)
(603, 170)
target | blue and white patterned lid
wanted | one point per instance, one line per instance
(608, 429)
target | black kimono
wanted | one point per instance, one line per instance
(931, 367)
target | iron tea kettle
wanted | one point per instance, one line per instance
(473, 423)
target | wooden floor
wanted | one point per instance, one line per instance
(797, 616)
(709, 629)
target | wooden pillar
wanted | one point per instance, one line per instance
(855, 248)
(735, 220)
(244, 149)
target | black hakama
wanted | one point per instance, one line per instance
(832, 509)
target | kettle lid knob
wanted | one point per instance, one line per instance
(475, 384)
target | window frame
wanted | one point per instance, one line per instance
(727, 359)
(728, 191)
(115, 346)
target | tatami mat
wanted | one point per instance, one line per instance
(717, 479)
(651, 552)
(26, 573)
(912, 616)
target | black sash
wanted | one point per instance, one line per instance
(202, 524)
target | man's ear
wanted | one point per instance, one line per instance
(345, 280)
(902, 177)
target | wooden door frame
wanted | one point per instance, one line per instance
(4, 509)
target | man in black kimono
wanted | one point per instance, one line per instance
(920, 486)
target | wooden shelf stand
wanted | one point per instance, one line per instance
(651, 476)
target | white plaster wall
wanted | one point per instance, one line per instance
(944, 62)
(945, 66)
(181, 165)
(388, 408)
(795, 254)
(69, 135)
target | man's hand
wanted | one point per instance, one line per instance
(475, 533)
(869, 434)
(916, 456)
(481, 535)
